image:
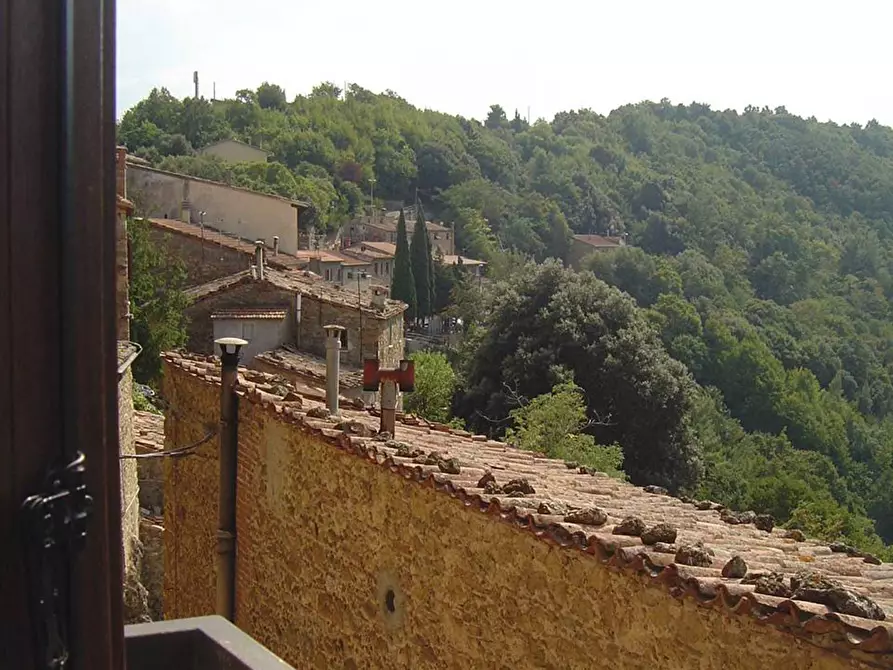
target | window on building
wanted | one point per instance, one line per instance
(344, 339)
(376, 268)
(328, 275)
(247, 330)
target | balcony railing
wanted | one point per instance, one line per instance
(202, 643)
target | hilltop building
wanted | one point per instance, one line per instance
(234, 151)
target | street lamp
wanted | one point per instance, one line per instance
(201, 216)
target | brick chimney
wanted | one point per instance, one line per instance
(333, 366)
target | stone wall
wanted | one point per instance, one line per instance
(343, 564)
(254, 294)
(152, 568)
(191, 496)
(217, 261)
(247, 214)
(134, 594)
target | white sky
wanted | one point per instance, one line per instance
(824, 59)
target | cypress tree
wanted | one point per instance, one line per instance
(403, 283)
(420, 253)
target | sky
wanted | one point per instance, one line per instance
(823, 59)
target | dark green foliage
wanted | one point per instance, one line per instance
(157, 302)
(403, 283)
(545, 323)
(422, 267)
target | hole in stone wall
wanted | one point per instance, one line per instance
(390, 599)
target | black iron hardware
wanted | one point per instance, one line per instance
(56, 528)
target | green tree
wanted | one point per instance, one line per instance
(403, 282)
(544, 320)
(552, 423)
(157, 301)
(422, 267)
(270, 96)
(435, 383)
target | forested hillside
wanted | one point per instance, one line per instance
(761, 251)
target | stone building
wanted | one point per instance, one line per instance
(383, 228)
(583, 246)
(275, 308)
(234, 151)
(240, 212)
(440, 549)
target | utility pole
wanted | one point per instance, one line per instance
(371, 199)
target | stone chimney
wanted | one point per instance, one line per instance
(275, 245)
(379, 295)
(259, 258)
(333, 366)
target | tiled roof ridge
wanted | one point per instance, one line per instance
(215, 236)
(294, 280)
(817, 623)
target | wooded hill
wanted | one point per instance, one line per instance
(761, 251)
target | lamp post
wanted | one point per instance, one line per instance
(201, 216)
(230, 351)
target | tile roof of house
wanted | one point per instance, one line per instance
(381, 247)
(231, 140)
(599, 240)
(306, 255)
(252, 313)
(364, 250)
(486, 476)
(310, 367)
(305, 283)
(148, 431)
(215, 237)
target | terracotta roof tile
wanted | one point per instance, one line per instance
(254, 313)
(148, 431)
(306, 283)
(308, 366)
(216, 237)
(557, 488)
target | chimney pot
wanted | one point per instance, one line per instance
(333, 366)
(275, 245)
(259, 258)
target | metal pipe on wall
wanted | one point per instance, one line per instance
(230, 351)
